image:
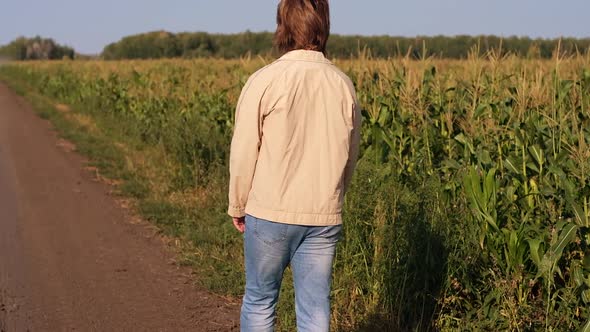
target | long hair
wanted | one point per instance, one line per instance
(302, 24)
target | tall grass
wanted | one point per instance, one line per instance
(469, 210)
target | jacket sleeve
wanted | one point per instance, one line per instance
(354, 145)
(245, 146)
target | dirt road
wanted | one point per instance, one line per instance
(69, 259)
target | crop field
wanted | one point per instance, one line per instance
(469, 210)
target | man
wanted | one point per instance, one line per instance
(293, 153)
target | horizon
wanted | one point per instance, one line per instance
(266, 31)
(543, 19)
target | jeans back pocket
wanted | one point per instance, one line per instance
(270, 232)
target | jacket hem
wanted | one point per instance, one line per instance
(294, 218)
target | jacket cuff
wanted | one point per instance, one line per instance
(236, 212)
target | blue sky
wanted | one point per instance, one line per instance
(89, 25)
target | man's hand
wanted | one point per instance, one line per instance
(240, 224)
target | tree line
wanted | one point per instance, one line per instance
(162, 44)
(35, 48)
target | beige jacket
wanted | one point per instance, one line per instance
(295, 143)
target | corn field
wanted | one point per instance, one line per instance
(470, 208)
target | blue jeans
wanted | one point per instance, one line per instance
(269, 248)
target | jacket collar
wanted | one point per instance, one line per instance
(305, 55)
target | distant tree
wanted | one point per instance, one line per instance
(200, 44)
(36, 48)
